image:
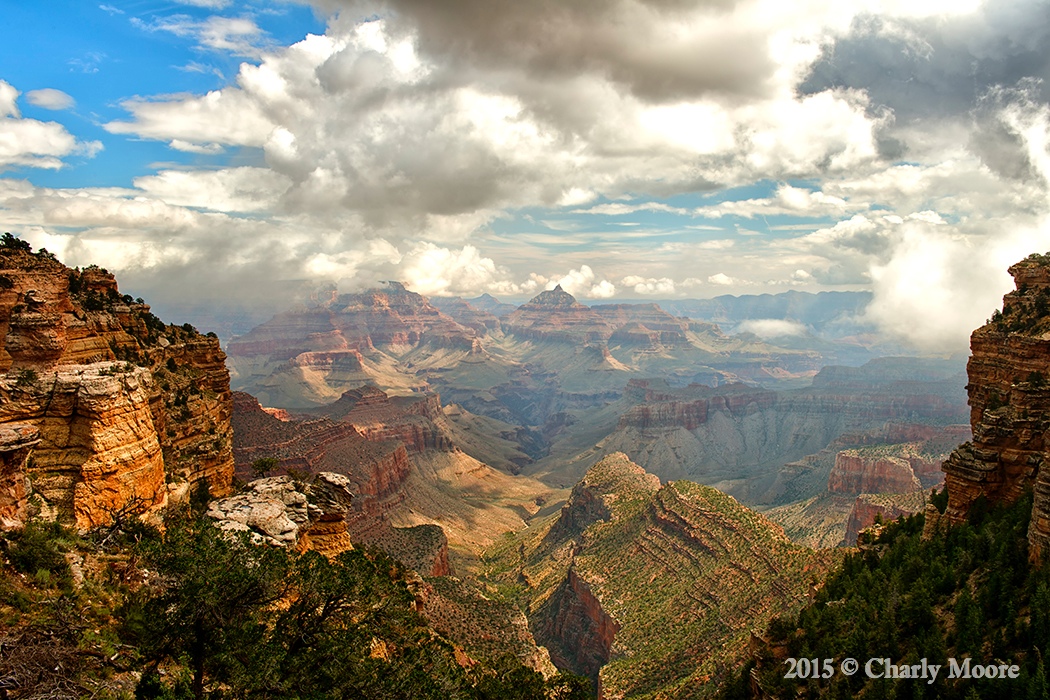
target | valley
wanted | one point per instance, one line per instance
(609, 491)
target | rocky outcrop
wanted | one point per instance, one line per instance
(16, 441)
(414, 420)
(284, 512)
(1010, 407)
(465, 314)
(378, 467)
(556, 315)
(857, 473)
(128, 408)
(613, 478)
(870, 508)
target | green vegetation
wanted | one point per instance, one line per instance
(11, 242)
(265, 465)
(967, 593)
(198, 613)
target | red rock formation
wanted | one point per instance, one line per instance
(16, 442)
(855, 473)
(1010, 407)
(662, 411)
(123, 402)
(414, 420)
(377, 468)
(556, 315)
(869, 508)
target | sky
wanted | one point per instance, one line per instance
(217, 152)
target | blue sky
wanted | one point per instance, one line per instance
(212, 150)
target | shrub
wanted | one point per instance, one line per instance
(38, 548)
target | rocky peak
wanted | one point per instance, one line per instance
(556, 298)
(556, 315)
(605, 488)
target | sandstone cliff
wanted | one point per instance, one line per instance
(870, 508)
(856, 473)
(16, 441)
(128, 408)
(1009, 406)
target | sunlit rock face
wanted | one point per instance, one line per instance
(127, 409)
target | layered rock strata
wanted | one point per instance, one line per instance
(376, 318)
(855, 473)
(1009, 390)
(16, 441)
(127, 407)
(871, 508)
(556, 315)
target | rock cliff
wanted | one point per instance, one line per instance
(857, 473)
(870, 508)
(1009, 406)
(16, 441)
(376, 468)
(128, 409)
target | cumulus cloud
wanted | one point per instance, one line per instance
(395, 145)
(32, 143)
(49, 98)
(722, 279)
(583, 282)
(771, 328)
(651, 285)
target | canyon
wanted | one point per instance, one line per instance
(569, 481)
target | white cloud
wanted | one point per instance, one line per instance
(32, 143)
(651, 285)
(720, 278)
(583, 282)
(431, 270)
(8, 101)
(223, 117)
(49, 98)
(240, 36)
(771, 328)
(243, 189)
(209, 4)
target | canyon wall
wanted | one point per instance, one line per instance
(128, 409)
(1009, 395)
